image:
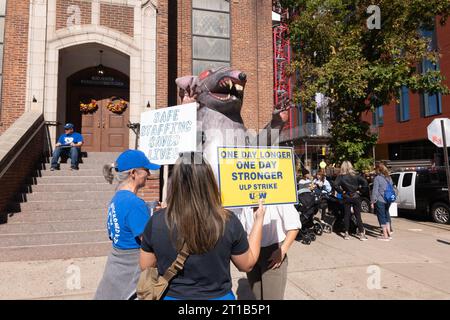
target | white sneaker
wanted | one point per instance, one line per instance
(363, 237)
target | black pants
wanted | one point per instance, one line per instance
(354, 202)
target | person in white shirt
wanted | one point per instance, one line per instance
(280, 228)
(322, 183)
(304, 184)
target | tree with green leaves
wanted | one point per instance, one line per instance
(341, 51)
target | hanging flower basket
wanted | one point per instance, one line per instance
(117, 105)
(89, 107)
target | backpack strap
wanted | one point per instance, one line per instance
(177, 265)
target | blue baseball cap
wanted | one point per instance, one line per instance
(69, 126)
(134, 159)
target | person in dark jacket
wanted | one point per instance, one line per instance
(348, 183)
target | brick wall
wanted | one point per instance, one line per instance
(14, 63)
(162, 54)
(151, 191)
(251, 25)
(117, 17)
(251, 52)
(62, 15)
(185, 38)
(14, 178)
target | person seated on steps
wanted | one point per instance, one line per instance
(69, 144)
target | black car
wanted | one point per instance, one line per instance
(423, 191)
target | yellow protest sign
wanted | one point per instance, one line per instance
(249, 174)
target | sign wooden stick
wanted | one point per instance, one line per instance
(166, 182)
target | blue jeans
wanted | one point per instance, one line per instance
(72, 152)
(383, 213)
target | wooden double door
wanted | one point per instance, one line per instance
(102, 130)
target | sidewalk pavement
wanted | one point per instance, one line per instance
(414, 265)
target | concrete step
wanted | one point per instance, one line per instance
(55, 251)
(93, 164)
(73, 195)
(30, 228)
(66, 180)
(32, 206)
(101, 156)
(55, 216)
(73, 187)
(52, 238)
(69, 173)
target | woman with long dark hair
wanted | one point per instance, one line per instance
(195, 218)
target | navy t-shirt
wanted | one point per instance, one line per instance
(205, 276)
(127, 218)
(66, 139)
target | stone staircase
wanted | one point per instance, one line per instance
(60, 214)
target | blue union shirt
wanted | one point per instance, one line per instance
(66, 139)
(127, 218)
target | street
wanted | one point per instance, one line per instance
(414, 265)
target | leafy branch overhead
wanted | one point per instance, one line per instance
(359, 68)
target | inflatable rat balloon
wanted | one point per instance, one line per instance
(219, 94)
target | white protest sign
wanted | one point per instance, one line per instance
(168, 131)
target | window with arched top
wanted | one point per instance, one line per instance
(211, 46)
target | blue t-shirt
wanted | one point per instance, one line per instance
(127, 218)
(74, 137)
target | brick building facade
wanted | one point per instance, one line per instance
(402, 127)
(150, 43)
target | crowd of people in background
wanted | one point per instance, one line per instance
(345, 186)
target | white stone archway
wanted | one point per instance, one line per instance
(94, 34)
(45, 43)
(81, 57)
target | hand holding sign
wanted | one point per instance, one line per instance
(247, 175)
(259, 212)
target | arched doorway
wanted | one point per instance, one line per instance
(103, 130)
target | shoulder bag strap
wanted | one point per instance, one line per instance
(177, 265)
